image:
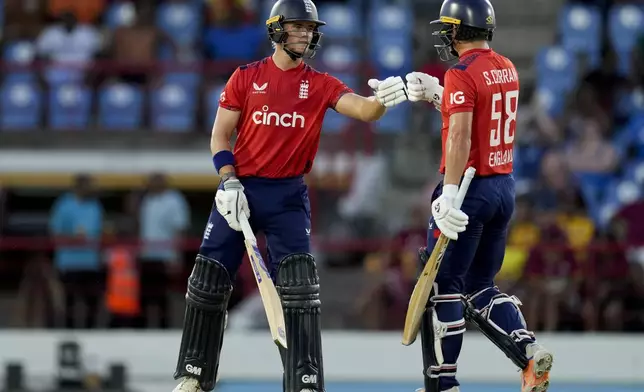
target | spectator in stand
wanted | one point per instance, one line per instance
(134, 46)
(69, 47)
(591, 151)
(605, 281)
(164, 218)
(231, 34)
(523, 235)
(76, 225)
(552, 275)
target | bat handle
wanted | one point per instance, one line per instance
(246, 229)
(462, 190)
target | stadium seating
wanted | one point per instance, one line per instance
(69, 107)
(21, 106)
(173, 108)
(120, 107)
(625, 24)
(581, 30)
(16, 54)
(343, 22)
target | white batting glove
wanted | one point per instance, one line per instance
(449, 220)
(424, 87)
(389, 92)
(231, 203)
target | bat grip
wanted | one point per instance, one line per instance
(246, 229)
(462, 190)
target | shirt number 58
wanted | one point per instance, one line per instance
(504, 102)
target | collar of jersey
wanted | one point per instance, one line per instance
(272, 63)
(472, 51)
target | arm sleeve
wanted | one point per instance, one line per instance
(233, 96)
(335, 89)
(460, 92)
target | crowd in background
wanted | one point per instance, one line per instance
(575, 248)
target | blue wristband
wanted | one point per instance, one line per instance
(223, 158)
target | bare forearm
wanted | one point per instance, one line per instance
(372, 110)
(457, 155)
(218, 144)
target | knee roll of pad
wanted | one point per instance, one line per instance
(209, 289)
(502, 312)
(298, 285)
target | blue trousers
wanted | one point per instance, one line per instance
(470, 265)
(279, 208)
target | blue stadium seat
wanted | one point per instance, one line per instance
(627, 192)
(629, 103)
(334, 122)
(352, 81)
(120, 14)
(632, 135)
(557, 69)
(212, 103)
(120, 107)
(581, 30)
(396, 120)
(391, 55)
(390, 20)
(593, 185)
(187, 78)
(343, 21)
(552, 101)
(338, 57)
(69, 107)
(21, 106)
(174, 108)
(529, 158)
(19, 53)
(239, 44)
(181, 21)
(625, 25)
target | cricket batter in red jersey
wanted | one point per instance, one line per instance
(277, 106)
(479, 111)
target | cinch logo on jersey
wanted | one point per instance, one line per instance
(287, 120)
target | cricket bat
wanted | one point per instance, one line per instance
(423, 287)
(268, 292)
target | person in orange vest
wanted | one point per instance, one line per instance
(122, 296)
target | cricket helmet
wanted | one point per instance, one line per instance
(463, 20)
(285, 11)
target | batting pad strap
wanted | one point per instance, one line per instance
(447, 298)
(444, 370)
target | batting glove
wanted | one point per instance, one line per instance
(389, 92)
(231, 203)
(449, 220)
(424, 87)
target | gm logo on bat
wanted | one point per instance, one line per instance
(281, 332)
(258, 259)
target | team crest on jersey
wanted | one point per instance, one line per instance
(257, 89)
(304, 89)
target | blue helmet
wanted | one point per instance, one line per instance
(463, 20)
(285, 11)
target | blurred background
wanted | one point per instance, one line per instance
(106, 179)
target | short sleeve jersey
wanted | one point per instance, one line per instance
(278, 133)
(486, 84)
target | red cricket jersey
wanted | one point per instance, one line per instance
(487, 84)
(281, 116)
